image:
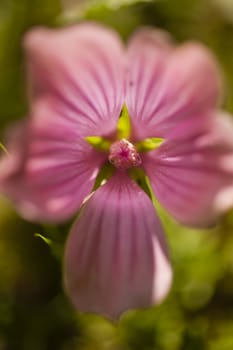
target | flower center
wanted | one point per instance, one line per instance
(123, 155)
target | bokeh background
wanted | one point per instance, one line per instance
(34, 312)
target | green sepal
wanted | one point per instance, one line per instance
(139, 176)
(106, 171)
(99, 143)
(124, 125)
(149, 144)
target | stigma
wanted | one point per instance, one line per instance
(123, 155)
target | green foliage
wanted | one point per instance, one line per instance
(16, 16)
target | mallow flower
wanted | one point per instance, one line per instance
(72, 156)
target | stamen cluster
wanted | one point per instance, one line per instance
(123, 155)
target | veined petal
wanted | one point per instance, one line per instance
(116, 256)
(165, 85)
(50, 169)
(81, 67)
(193, 178)
(148, 53)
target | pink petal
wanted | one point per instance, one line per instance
(50, 169)
(116, 255)
(166, 86)
(193, 178)
(81, 68)
(148, 53)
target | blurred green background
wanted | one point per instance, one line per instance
(34, 313)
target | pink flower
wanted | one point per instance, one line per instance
(80, 77)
